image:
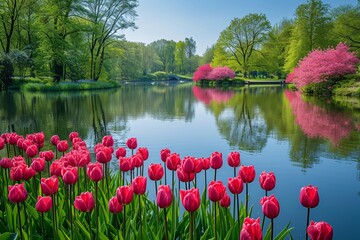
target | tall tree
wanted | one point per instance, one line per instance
(311, 30)
(180, 56)
(190, 47)
(9, 16)
(165, 49)
(107, 19)
(208, 55)
(241, 38)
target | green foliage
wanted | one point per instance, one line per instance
(6, 70)
(180, 56)
(69, 86)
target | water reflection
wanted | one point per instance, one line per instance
(207, 95)
(319, 122)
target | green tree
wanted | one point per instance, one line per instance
(107, 18)
(311, 30)
(165, 50)
(240, 39)
(180, 56)
(208, 55)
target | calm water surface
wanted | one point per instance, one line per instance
(303, 141)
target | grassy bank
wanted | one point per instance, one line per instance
(347, 86)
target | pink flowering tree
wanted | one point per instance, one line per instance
(222, 73)
(203, 72)
(206, 72)
(319, 66)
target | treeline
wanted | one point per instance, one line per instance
(252, 46)
(76, 39)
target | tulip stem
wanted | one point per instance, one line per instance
(124, 223)
(20, 227)
(166, 226)
(215, 175)
(192, 225)
(272, 229)
(307, 222)
(42, 223)
(238, 210)
(88, 215)
(96, 210)
(246, 199)
(140, 218)
(173, 207)
(215, 221)
(165, 172)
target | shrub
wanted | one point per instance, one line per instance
(319, 66)
(202, 73)
(6, 70)
(222, 73)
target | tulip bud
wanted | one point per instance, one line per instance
(131, 143)
(247, 173)
(62, 146)
(32, 151)
(216, 161)
(120, 152)
(309, 196)
(139, 185)
(233, 159)
(164, 196)
(216, 190)
(124, 194)
(251, 229)
(85, 202)
(164, 154)
(155, 171)
(114, 205)
(267, 181)
(5, 162)
(225, 201)
(49, 186)
(173, 161)
(43, 204)
(144, 152)
(190, 199)
(54, 140)
(270, 206)
(69, 175)
(320, 230)
(108, 141)
(94, 171)
(17, 193)
(235, 185)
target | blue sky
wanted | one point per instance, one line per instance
(205, 19)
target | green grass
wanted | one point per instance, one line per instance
(69, 86)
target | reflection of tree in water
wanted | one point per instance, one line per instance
(239, 119)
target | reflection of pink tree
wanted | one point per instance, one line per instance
(207, 95)
(318, 122)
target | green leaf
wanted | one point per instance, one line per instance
(8, 236)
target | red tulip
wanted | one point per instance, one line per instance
(38, 164)
(139, 185)
(104, 155)
(94, 171)
(69, 175)
(29, 173)
(206, 163)
(164, 196)
(247, 173)
(225, 201)
(56, 167)
(20, 143)
(270, 206)
(73, 135)
(183, 176)
(234, 159)
(173, 161)
(62, 146)
(13, 137)
(108, 141)
(155, 171)
(131, 143)
(43, 204)
(5, 162)
(49, 186)
(216, 190)
(144, 152)
(2, 143)
(235, 185)
(85, 202)
(164, 154)
(17, 172)
(124, 194)
(198, 165)
(114, 205)
(137, 160)
(190, 199)
(251, 229)
(320, 231)
(120, 152)
(48, 155)
(39, 139)
(125, 164)
(267, 181)
(32, 151)
(54, 140)
(309, 196)
(216, 161)
(25, 144)
(188, 165)
(17, 161)
(17, 193)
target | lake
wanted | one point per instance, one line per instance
(303, 141)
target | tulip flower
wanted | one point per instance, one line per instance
(188, 165)
(155, 171)
(94, 171)
(84, 202)
(267, 181)
(124, 195)
(131, 143)
(29, 173)
(184, 177)
(32, 151)
(225, 201)
(38, 164)
(120, 152)
(144, 152)
(70, 175)
(236, 186)
(164, 200)
(17, 193)
(139, 185)
(271, 209)
(173, 161)
(309, 198)
(108, 141)
(164, 154)
(216, 162)
(62, 146)
(251, 229)
(190, 199)
(49, 186)
(2, 143)
(56, 168)
(234, 159)
(5, 162)
(137, 160)
(55, 139)
(247, 174)
(114, 205)
(73, 135)
(103, 155)
(216, 190)
(320, 231)
(43, 204)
